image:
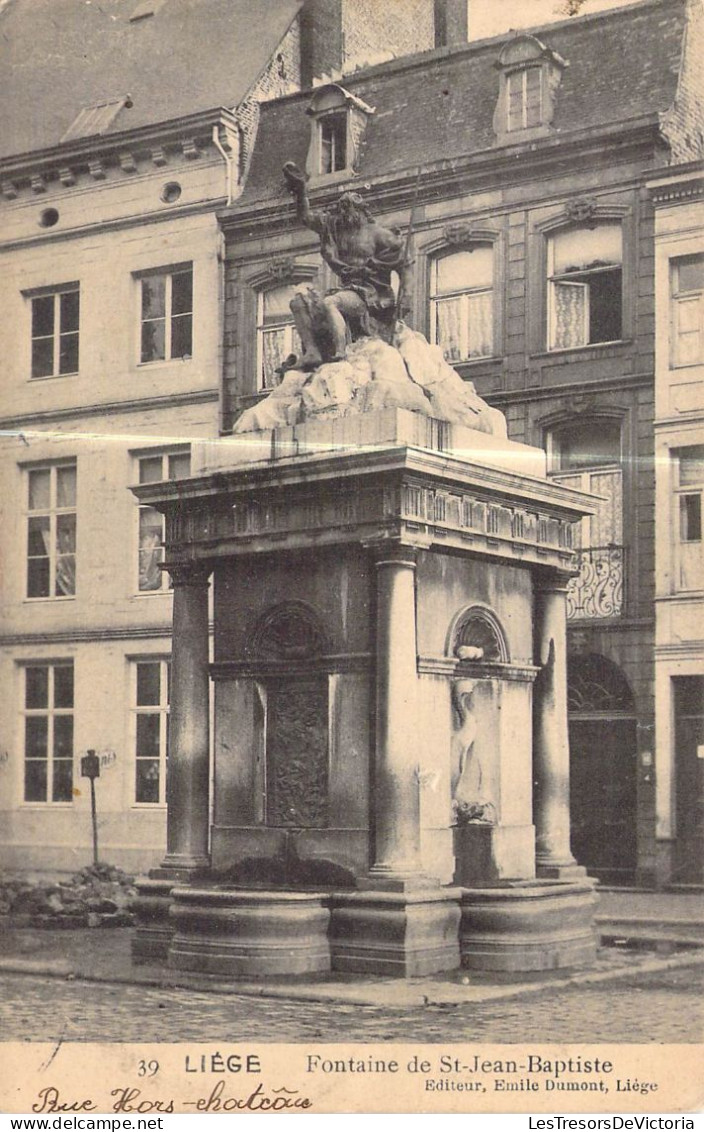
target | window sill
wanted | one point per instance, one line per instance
(153, 807)
(53, 377)
(152, 593)
(163, 362)
(46, 805)
(590, 348)
(37, 600)
(476, 363)
(321, 180)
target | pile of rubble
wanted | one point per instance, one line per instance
(96, 897)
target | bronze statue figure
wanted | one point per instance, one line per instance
(363, 254)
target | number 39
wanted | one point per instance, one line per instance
(147, 1068)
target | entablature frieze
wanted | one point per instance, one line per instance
(415, 511)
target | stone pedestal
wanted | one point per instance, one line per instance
(396, 933)
(488, 854)
(361, 566)
(236, 932)
(533, 926)
(152, 935)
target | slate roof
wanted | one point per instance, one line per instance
(58, 57)
(622, 64)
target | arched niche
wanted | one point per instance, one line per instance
(476, 635)
(290, 631)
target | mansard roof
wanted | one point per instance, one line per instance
(150, 60)
(438, 107)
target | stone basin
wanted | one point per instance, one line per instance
(243, 931)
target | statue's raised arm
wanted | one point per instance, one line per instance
(296, 185)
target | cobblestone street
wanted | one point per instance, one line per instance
(657, 1007)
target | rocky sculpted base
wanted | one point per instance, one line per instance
(408, 374)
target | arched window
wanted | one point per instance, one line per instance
(462, 303)
(584, 285)
(276, 334)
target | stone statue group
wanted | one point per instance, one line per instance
(357, 352)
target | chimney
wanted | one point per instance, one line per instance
(321, 39)
(451, 23)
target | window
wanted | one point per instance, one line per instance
(151, 687)
(338, 122)
(462, 303)
(333, 142)
(688, 310)
(524, 98)
(689, 491)
(55, 332)
(584, 286)
(167, 315)
(48, 732)
(530, 73)
(276, 334)
(154, 469)
(51, 531)
(587, 455)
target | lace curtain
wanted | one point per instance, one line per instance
(570, 310)
(150, 550)
(65, 579)
(464, 326)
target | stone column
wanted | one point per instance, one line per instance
(551, 752)
(396, 786)
(188, 811)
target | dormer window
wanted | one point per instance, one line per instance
(530, 74)
(338, 123)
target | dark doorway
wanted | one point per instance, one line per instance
(689, 779)
(603, 761)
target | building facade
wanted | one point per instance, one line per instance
(112, 169)
(678, 199)
(524, 162)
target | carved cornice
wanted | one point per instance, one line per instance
(678, 191)
(123, 152)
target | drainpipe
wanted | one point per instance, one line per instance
(228, 162)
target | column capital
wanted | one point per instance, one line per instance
(392, 552)
(188, 573)
(553, 583)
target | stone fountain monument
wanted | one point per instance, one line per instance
(390, 788)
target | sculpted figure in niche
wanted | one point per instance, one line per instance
(363, 254)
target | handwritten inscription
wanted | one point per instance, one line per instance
(128, 1099)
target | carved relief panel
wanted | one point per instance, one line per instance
(297, 791)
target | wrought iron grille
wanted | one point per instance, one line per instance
(597, 591)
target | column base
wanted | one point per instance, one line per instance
(184, 863)
(398, 933)
(241, 932)
(568, 871)
(528, 926)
